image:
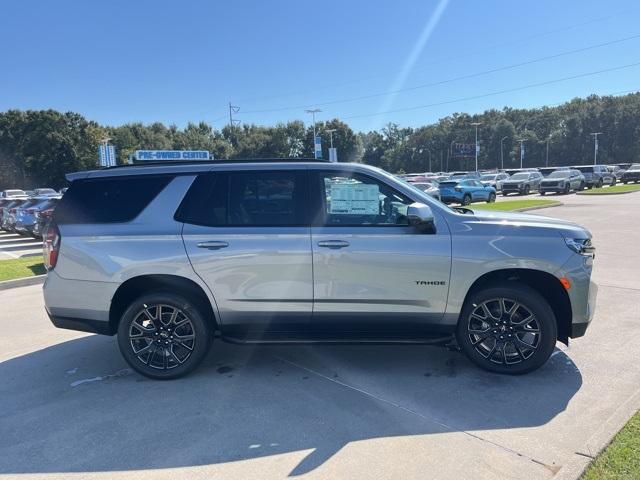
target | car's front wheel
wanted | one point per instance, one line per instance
(492, 198)
(164, 335)
(508, 329)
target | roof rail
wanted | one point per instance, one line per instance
(137, 163)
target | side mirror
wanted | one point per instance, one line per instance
(419, 214)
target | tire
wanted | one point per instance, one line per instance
(504, 194)
(567, 189)
(581, 187)
(492, 198)
(527, 190)
(493, 346)
(182, 356)
(466, 199)
(542, 193)
(614, 180)
(599, 184)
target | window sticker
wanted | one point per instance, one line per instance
(354, 199)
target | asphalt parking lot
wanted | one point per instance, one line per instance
(13, 245)
(70, 408)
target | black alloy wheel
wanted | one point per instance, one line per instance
(507, 329)
(163, 336)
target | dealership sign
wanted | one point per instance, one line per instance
(172, 155)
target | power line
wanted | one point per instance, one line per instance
(449, 59)
(442, 82)
(499, 92)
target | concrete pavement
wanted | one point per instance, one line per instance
(70, 408)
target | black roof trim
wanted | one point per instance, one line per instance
(159, 163)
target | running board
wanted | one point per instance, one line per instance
(345, 339)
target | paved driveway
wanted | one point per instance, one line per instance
(69, 406)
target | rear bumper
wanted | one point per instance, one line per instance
(78, 305)
(81, 324)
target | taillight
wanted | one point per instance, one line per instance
(51, 246)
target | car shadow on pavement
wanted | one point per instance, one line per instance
(76, 407)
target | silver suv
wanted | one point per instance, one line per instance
(169, 256)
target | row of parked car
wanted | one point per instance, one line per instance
(468, 187)
(28, 212)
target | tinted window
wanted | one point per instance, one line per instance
(245, 199)
(352, 199)
(108, 200)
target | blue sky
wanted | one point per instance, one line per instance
(180, 61)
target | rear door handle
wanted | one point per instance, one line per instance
(214, 245)
(333, 243)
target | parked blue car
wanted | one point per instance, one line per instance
(466, 191)
(26, 216)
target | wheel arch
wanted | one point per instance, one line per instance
(137, 286)
(548, 286)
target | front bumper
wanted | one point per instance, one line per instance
(512, 188)
(552, 188)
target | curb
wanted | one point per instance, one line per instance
(22, 282)
(603, 193)
(539, 207)
(600, 439)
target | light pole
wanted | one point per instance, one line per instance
(450, 153)
(313, 116)
(502, 153)
(521, 151)
(330, 131)
(429, 153)
(595, 145)
(476, 124)
(547, 160)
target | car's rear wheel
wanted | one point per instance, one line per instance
(527, 190)
(164, 335)
(542, 193)
(614, 180)
(466, 199)
(599, 184)
(508, 329)
(492, 198)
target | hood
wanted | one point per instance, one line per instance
(564, 227)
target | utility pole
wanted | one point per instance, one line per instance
(547, 161)
(476, 124)
(595, 145)
(502, 153)
(233, 109)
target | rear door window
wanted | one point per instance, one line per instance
(247, 199)
(108, 200)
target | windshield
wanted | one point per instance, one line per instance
(520, 176)
(585, 169)
(488, 176)
(560, 174)
(635, 166)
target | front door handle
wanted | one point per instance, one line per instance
(214, 245)
(333, 243)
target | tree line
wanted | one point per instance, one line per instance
(38, 147)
